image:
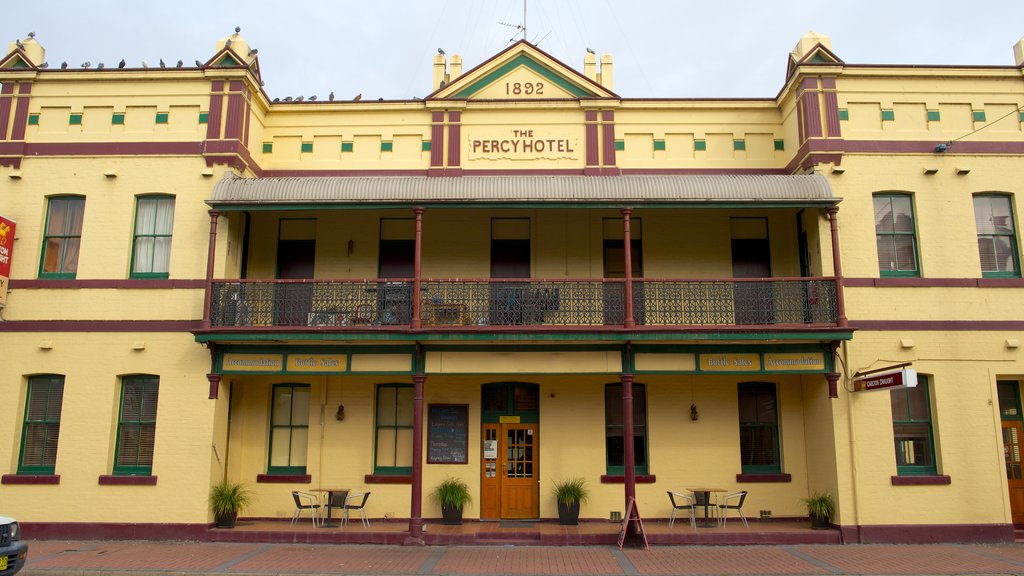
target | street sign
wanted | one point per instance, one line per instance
(904, 378)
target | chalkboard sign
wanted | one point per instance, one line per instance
(447, 433)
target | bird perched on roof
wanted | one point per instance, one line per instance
(162, 63)
(331, 96)
(287, 98)
(277, 99)
(64, 65)
(19, 44)
(227, 43)
(358, 97)
(145, 64)
(86, 64)
(180, 64)
(440, 51)
(101, 66)
(122, 63)
(199, 64)
(253, 52)
(44, 65)
(312, 98)
(238, 29)
(299, 98)
(590, 51)
(31, 34)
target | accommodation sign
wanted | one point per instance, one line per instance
(522, 144)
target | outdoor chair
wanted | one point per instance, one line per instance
(684, 502)
(305, 501)
(361, 506)
(737, 499)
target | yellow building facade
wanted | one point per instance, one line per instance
(520, 279)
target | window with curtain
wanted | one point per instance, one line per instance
(151, 248)
(393, 430)
(759, 428)
(62, 237)
(289, 429)
(42, 424)
(136, 425)
(912, 429)
(614, 435)
(997, 236)
(895, 235)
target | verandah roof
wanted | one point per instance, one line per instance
(234, 193)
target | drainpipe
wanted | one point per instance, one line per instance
(627, 242)
(837, 265)
(417, 271)
(210, 255)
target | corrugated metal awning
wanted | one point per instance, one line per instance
(237, 193)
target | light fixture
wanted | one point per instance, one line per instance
(340, 415)
(942, 147)
(693, 412)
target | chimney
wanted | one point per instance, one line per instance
(808, 42)
(455, 70)
(590, 66)
(238, 45)
(440, 66)
(1018, 52)
(33, 50)
(605, 78)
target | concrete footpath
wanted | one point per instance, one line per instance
(92, 558)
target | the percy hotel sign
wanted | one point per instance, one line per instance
(521, 144)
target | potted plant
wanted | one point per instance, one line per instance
(820, 508)
(227, 499)
(452, 495)
(569, 494)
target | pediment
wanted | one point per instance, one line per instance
(16, 61)
(522, 72)
(819, 54)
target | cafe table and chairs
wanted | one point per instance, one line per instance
(702, 497)
(332, 498)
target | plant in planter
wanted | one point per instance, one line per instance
(227, 499)
(569, 494)
(452, 495)
(820, 508)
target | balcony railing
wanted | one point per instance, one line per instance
(493, 303)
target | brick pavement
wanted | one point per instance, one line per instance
(102, 558)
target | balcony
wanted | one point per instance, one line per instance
(523, 304)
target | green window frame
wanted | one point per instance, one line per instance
(620, 145)
(289, 429)
(306, 147)
(739, 144)
(759, 428)
(392, 436)
(346, 146)
(978, 115)
(75, 119)
(844, 114)
(268, 147)
(912, 429)
(151, 245)
(41, 427)
(33, 119)
(136, 425)
(162, 117)
(780, 145)
(934, 115)
(896, 235)
(997, 236)
(204, 117)
(614, 431)
(659, 145)
(62, 237)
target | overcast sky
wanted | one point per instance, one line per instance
(384, 49)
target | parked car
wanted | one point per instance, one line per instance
(13, 551)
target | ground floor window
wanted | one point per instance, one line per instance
(136, 425)
(289, 429)
(759, 428)
(615, 430)
(912, 429)
(393, 430)
(42, 424)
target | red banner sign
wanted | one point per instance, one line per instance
(6, 249)
(906, 378)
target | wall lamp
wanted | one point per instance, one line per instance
(943, 147)
(693, 412)
(340, 415)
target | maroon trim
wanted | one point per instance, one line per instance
(115, 531)
(608, 137)
(531, 172)
(100, 148)
(236, 86)
(764, 477)
(436, 139)
(828, 82)
(111, 480)
(6, 99)
(620, 479)
(934, 282)
(30, 479)
(100, 326)
(702, 171)
(379, 479)
(21, 112)
(231, 152)
(353, 173)
(939, 325)
(216, 107)
(930, 533)
(233, 122)
(246, 119)
(118, 284)
(284, 479)
(454, 138)
(811, 114)
(928, 147)
(941, 480)
(832, 123)
(593, 154)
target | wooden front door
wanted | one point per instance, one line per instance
(1013, 431)
(509, 473)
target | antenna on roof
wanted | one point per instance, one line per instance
(519, 27)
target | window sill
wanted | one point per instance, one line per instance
(921, 480)
(30, 479)
(619, 479)
(283, 479)
(111, 480)
(386, 479)
(764, 477)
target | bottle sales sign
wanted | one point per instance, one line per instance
(905, 378)
(6, 249)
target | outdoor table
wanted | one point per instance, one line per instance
(331, 494)
(707, 501)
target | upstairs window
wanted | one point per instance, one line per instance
(42, 424)
(62, 237)
(997, 236)
(895, 235)
(151, 248)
